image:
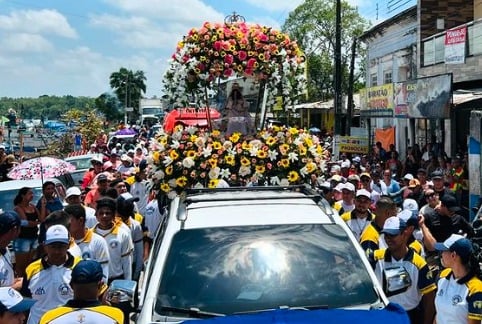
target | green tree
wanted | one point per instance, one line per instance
(110, 106)
(312, 24)
(128, 87)
(88, 123)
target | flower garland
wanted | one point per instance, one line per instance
(191, 158)
(219, 51)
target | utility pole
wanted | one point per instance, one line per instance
(350, 103)
(337, 76)
(125, 101)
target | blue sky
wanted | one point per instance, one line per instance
(66, 47)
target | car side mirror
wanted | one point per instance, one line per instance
(121, 291)
(396, 280)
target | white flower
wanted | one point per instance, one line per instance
(214, 173)
(167, 160)
(292, 157)
(191, 129)
(159, 174)
(172, 194)
(275, 181)
(175, 144)
(253, 151)
(172, 183)
(284, 182)
(244, 170)
(188, 162)
(227, 145)
(298, 141)
(231, 151)
(304, 172)
(207, 152)
(225, 173)
(272, 154)
(198, 186)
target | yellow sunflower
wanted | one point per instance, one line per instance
(283, 148)
(169, 169)
(245, 162)
(310, 167)
(213, 162)
(163, 140)
(234, 137)
(173, 155)
(155, 157)
(213, 183)
(191, 153)
(217, 145)
(165, 187)
(229, 159)
(262, 154)
(181, 181)
(285, 163)
(308, 141)
(271, 141)
(260, 169)
(293, 131)
(293, 176)
(215, 133)
(302, 150)
(245, 145)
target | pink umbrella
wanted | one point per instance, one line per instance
(39, 168)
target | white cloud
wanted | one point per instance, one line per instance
(23, 42)
(276, 6)
(37, 22)
(185, 11)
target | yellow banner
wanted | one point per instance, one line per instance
(380, 97)
(352, 144)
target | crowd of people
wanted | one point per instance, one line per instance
(411, 220)
(406, 214)
(67, 253)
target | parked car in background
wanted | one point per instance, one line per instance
(252, 249)
(82, 165)
(9, 189)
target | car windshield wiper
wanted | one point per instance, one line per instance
(192, 312)
(303, 307)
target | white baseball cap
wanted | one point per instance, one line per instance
(394, 225)
(363, 193)
(73, 191)
(57, 234)
(12, 301)
(349, 186)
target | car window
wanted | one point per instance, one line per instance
(241, 269)
(7, 197)
(81, 164)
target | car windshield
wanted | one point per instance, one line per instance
(7, 197)
(152, 110)
(81, 164)
(243, 269)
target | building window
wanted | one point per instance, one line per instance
(387, 77)
(373, 80)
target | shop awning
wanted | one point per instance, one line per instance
(460, 98)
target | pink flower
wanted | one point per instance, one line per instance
(228, 59)
(228, 72)
(242, 55)
(251, 63)
(218, 45)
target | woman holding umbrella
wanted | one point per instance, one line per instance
(26, 244)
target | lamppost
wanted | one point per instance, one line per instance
(337, 77)
(125, 100)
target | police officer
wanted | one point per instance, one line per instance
(459, 296)
(87, 282)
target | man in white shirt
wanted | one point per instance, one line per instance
(73, 196)
(92, 245)
(118, 239)
(9, 230)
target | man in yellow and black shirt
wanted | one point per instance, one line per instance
(87, 280)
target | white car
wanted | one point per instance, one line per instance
(246, 250)
(9, 189)
(82, 164)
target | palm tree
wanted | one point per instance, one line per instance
(129, 87)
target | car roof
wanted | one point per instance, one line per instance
(31, 183)
(238, 208)
(83, 156)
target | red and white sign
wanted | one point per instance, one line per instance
(455, 40)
